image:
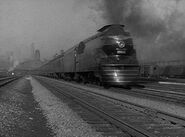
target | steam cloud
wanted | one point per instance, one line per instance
(158, 26)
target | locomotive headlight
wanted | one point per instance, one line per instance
(121, 44)
(115, 74)
(118, 42)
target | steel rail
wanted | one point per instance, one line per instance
(170, 96)
(130, 129)
(161, 114)
(8, 80)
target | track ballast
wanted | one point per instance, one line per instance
(114, 119)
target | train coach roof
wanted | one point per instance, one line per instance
(107, 26)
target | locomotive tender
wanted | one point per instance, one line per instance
(108, 57)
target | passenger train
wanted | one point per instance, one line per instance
(106, 58)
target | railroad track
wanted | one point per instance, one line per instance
(156, 92)
(159, 94)
(117, 118)
(173, 87)
(7, 80)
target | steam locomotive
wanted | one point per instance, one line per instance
(107, 58)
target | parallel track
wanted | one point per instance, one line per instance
(159, 94)
(170, 87)
(7, 80)
(128, 118)
(174, 96)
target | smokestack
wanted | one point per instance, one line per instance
(37, 55)
(32, 47)
(62, 52)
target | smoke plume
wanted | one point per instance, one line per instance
(158, 26)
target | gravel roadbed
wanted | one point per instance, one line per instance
(60, 118)
(163, 106)
(20, 115)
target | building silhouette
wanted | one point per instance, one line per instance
(37, 55)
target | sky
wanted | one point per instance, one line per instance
(157, 26)
(52, 25)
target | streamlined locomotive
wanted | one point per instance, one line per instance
(108, 58)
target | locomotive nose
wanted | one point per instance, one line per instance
(120, 74)
(116, 40)
(117, 45)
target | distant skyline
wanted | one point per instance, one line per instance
(51, 25)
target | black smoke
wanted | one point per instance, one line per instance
(157, 26)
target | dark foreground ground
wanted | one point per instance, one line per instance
(27, 109)
(20, 115)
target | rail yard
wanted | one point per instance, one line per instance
(59, 107)
(94, 91)
(84, 68)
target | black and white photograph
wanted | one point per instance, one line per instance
(92, 68)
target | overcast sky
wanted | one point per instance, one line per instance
(51, 25)
(158, 26)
